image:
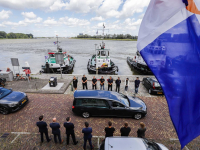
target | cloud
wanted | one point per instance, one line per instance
(30, 15)
(130, 22)
(79, 6)
(72, 22)
(97, 19)
(50, 21)
(22, 4)
(109, 8)
(5, 14)
(57, 5)
(37, 20)
(83, 6)
(9, 23)
(130, 7)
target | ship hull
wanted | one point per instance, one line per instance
(144, 69)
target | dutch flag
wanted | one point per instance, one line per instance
(169, 42)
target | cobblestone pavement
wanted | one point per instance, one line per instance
(157, 121)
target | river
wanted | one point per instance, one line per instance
(34, 51)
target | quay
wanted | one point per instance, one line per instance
(19, 131)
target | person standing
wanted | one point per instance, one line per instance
(118, 82)
(110, 82)
(102, 80)
(56, 131)
(125, 130)
(43, 129)
(109, 130)
(94, 83)
(141, 131)
(84, 82)
(87, 136)
(126, 84)
(137, 83)
(70, 130)
(75, 81)
(27, 72)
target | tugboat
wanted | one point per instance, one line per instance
(52, 67)
(100, 63)
(139, 64)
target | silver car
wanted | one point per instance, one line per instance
(130, 143)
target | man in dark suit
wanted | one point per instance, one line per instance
(70, 130)
(43, 129)
(87, 136)
(56, 131)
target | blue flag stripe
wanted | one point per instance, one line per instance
(174, 58)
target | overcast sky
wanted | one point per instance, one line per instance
(67, 18)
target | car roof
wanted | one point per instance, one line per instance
(126, 143)
(97, 93)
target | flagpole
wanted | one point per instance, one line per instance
(57, 41)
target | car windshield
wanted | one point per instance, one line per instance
(4, 92)
(124, 99)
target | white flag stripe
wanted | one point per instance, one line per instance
(197, 2)
(162, 20)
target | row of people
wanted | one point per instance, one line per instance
(102, 81)
(87, 131)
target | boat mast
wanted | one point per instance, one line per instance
(57, 42)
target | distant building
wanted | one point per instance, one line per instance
(80, 33)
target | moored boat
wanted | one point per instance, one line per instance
(101, 63)
(138, 63)
(52, 67)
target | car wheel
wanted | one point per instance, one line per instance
(86, 114)
(149, 91)
(137, 116)
(3, 111)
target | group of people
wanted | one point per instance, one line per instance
(102, 82)
(87, 131)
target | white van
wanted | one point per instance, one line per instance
(130, 143)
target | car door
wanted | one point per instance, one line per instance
(87, 105)
(145, 82)
(103, 108)
(120, 110)
(148, 85)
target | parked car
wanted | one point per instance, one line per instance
(152, 85)
(130, 143)
(107, 103)
(11, 101)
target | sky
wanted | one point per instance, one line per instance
(68, 18)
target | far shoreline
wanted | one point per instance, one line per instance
(103, 39)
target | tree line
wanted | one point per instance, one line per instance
(4, 35)
(109, 36)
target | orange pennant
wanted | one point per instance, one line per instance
(192, 7)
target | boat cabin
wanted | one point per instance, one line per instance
(103, 58)
(51, 58)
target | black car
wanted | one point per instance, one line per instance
(106, 103)
(152, 85)
(11, 101)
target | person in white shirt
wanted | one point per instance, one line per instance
(126, 84)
